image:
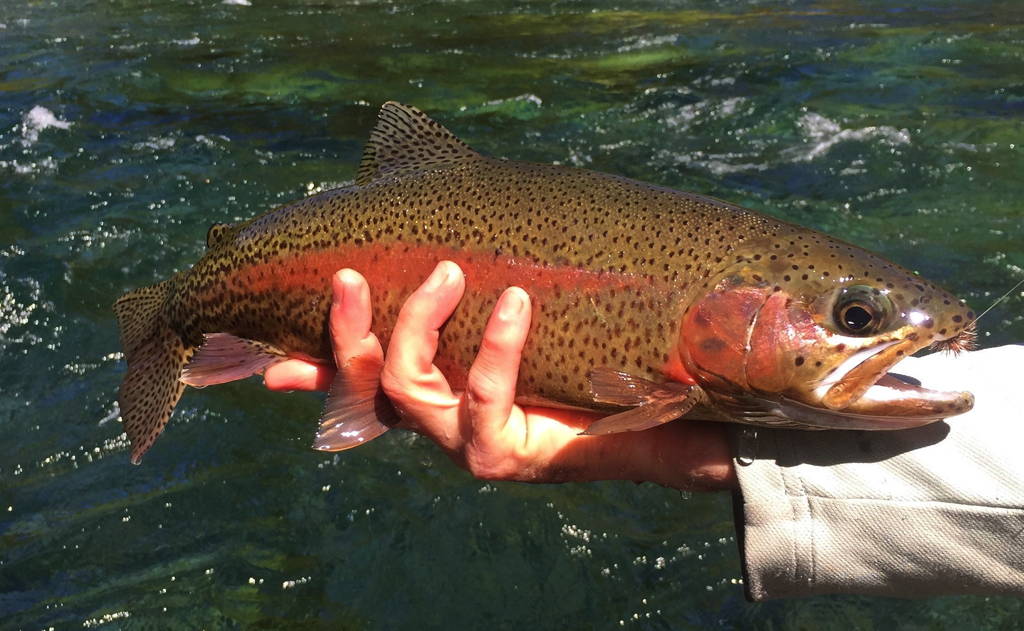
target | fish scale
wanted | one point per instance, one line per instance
(615, 269)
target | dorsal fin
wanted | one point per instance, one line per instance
(405, 140)
(216, 234)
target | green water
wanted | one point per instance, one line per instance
(896, 126)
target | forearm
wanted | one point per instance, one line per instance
(685, 455)
(550, 449)
(702, 447)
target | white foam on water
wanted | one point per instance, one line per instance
(113, 415)
(106, 618)
(822, 134)
(529, 98)
(716, 163)
(155, 143)
(638, 43)
(240, 3)
(186, 42)
(23, 310)
(213, 141)
(38, 119)
(682, 118)
(46, 165)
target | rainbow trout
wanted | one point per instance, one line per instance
(648, 304)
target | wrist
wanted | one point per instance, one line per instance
(686, 455)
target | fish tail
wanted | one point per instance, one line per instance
(155, 355)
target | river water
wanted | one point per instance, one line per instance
(127, 127)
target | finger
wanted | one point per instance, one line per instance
(350, 318)
(416, 388)
(295, 374)
(414, 339)
(491, 384)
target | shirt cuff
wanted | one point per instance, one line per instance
(826, 527)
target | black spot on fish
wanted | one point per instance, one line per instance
(712, 345)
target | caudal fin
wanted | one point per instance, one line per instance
(155, 356)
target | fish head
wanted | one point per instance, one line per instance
(806, 337)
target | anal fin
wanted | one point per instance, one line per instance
(224, 357)
(652, 403)
(356, 410)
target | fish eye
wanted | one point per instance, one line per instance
(857, 316)
(861, 310)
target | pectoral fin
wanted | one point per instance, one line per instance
(356, 410)
(224, 357)
(653, 403)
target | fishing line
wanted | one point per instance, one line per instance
(966, 340)
(998, 300)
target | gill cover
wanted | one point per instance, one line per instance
(724, 344)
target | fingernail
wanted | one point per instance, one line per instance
(442, 275)
(342, 286)
(511, 305)
(351, 285)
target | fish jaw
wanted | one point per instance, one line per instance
(907, 403)
(922, 407)
(862, 386)
(889, 404)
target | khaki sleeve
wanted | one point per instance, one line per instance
(932, 510)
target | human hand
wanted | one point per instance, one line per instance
(482, 429)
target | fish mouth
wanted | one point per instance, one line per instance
(861, 393)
